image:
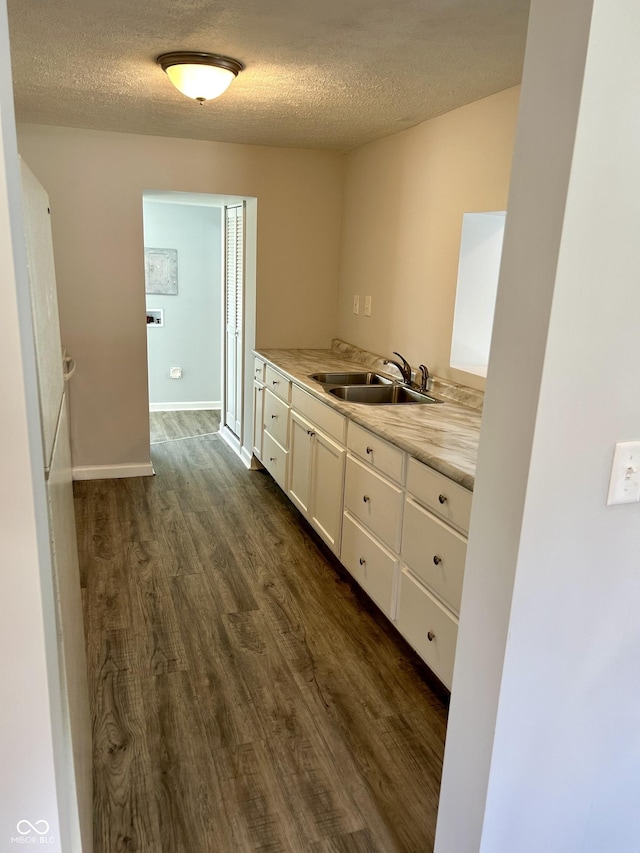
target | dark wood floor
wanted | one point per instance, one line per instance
(245, 694)
(170, 426)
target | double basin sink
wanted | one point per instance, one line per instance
(372, 389)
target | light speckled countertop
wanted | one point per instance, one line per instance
(443, 436)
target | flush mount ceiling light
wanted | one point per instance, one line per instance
(201, 76)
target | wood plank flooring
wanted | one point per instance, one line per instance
(170, 426)
(246, 695)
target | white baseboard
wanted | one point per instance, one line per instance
(230, 438)
(196, 406)
(233, 441)
(246, 457)
(112, 472)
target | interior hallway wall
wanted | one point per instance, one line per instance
(404, 200)
(191, 337)
(95, 182)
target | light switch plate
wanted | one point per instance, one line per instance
(356, 304)
(624, 485)
(367, 306)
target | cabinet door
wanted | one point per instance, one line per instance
(301, 438)
(258, 402)
(327, 482)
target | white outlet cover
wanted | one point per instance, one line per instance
(175, 373)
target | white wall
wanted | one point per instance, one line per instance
(543, 745)
(95, 182)
(30, 710)
(191, 337)
(404, 200)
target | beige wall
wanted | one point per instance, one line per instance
(95, 182)
(404, 200)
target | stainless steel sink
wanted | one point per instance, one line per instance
(374, 395)
(351, 379)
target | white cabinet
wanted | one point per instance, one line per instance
(258, 406)
(434, 551)
(398, 526)
(300, 473)
(434, 547)
(275, 423)
(275, 416)
(429, 627)
(316, 474)
(375, 501)
(371, 564)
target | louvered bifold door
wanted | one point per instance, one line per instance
(234, 272)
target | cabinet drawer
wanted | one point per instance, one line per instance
(276, 418)
(434, 552)
(323, 416)
(258, 369)
(258, 420)
(370, 564)
(428, 626)
(274, 459)
(374, 501)
(376, 452)
(277, 383)
(439, 494)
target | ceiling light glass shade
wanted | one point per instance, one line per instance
(201, 76)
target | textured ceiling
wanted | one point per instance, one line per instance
(319, 73)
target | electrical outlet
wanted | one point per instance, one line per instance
(367, 306)
(356, 304)
(175, 373)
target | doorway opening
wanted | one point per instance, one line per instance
(186, 247)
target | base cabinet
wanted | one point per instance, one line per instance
(316, 476)
(397, 525)
(258, 409)
(428, 626)
(371, 564)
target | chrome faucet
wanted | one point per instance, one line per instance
(424, 383)
(404, 368)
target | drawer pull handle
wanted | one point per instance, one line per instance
(369, 449)
(363, 562)
(442, 499)
(431, 636)
(366, 498)
(273, 417)
(437, 560)
(272, 459)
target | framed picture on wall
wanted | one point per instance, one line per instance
(161, 271)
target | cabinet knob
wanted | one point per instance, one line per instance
(369, 449)
(363, 562)
(431, 636)
(273, 417)
(310, 433)
(442, 499)
(437, 560)
(275, 381)
(366, 498)
(272, 459)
